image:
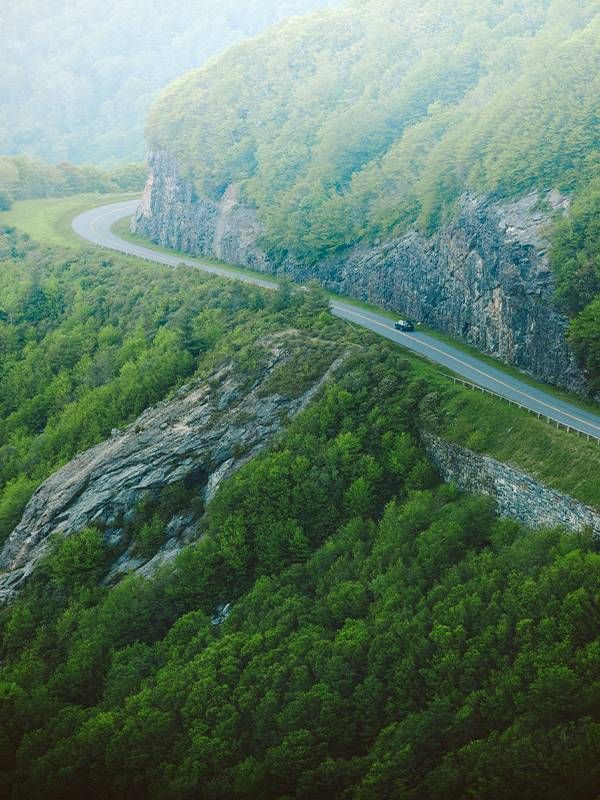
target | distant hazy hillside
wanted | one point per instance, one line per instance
(358, 122)
(76, 79)
(360, 119)
(22, 178)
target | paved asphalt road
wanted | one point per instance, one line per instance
(95, 226)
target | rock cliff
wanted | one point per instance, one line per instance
(517, 495)
(484, 278)
(201, 436)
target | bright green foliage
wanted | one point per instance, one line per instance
(576, 259)
(360, 121)
(77, 561)
(13, 499)
(388, 637)
(87, 342)
(76, 80)
(150, 537)
(23, 178)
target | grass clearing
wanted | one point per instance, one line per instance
(490, 426)
(48, 220)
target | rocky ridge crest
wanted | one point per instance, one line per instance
(205, 433)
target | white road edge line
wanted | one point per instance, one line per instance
(471, 367)
(347, 309)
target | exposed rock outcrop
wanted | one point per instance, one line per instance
(171, 213)
(485, 277)
(201, 436)
(517, 494)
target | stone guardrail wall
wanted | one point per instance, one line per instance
(517, 494)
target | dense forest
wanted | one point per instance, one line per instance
(337, 622)
(362, 121)
(388, 636)
(87, 342)
(575, 256)
(76, 79)
(23, 178)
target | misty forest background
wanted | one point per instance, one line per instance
(77, 79)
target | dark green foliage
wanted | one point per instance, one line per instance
(576, 260)
(584, 335)
(77, 561)
(154, 513)
(24, 178)
(307, 362)
(388, 637)
(150, 536)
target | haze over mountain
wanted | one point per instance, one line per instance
(77, 78)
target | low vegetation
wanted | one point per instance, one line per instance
(24, 178)
(49, 220)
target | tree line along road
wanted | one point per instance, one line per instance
(95, 226)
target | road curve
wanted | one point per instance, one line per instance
(95, 226)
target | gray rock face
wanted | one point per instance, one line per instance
(203, 435)
(484, 278)
(517, 494)
(171, 213)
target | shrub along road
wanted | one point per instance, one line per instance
(95, 226)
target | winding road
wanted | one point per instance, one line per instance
(95, 226)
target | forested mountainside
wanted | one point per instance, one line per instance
(361, 123)
(89, 341)
(22, 178)
(76, 79)
(341, 623)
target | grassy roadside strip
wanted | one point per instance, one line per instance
(487, 425)
(121, 229)
(49, 220)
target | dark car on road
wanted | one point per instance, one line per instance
(404, 325)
